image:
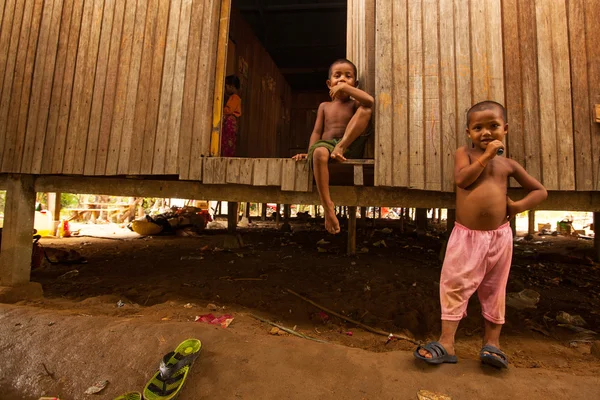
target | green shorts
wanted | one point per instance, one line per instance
(355, 150)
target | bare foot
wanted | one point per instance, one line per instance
(331, 222)
(448, 346)
(338, 153)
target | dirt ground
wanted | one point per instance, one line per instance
(77, 335)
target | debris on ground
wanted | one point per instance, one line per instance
(380, 243)
(323, 241)
(120, 304)
(595, 349)
(212, 307)
(428, 395)
(526, 298)
(182, 221)
(71, 274)
(224, 320)
(96, 387)
(277, 331)
(566, 318)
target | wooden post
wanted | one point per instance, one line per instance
(247, 210)
(513, 226)
(597, 235)
(352, 230)
(531, 222)
(17, 235)
(263, 211)
(450, 220)
(277, 215)
(363, 217)
(421, 216)
(402, 220)
(286, 212)
(232, 216)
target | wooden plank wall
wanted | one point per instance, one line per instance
(266, 96)
(360, 49)
(438, 57)
(303, 117)
(106, 87)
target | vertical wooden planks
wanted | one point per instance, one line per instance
(233, 169)
(274, 171)
(480, 64)
(303, 175)
(174, 123)
(562, 91)
(415, 94)
(78, 101)
(166, 92)
(11, 89)
(143, 91)
(110, 92)
(39, 125)
(448, 118)
(202, 122)
(30, 133)
(383, 87)
(581, 101)
(246, 171)
(514, 99)
(93, 133)
(128, 73)
(19, 97)
(493, 25)
(547, 94)
(288, 174)
(151, 119)
(530, 89)
(464, 94)
(27, 84)
(259, 177)
(189, 90)
(59, 116)
(87, 93)
(399, 152)
(431, 101)
(592, 27)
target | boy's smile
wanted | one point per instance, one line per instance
(485, 126)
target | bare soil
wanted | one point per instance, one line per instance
(80, 335)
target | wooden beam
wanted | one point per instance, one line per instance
(342, 195)
(15, 255)
(54, 205)
(352, 230)
(450, 220)
(421, 221)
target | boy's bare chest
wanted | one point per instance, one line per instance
(339, 112)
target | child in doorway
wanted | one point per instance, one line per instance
(339, 124)
(479, 251)
(231, 113)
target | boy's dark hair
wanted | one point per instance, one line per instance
(233, 81)
(343, 61)
(486, 105)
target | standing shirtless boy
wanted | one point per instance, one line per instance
(479, 251)
(339, 123)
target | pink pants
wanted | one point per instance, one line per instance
(476, 261)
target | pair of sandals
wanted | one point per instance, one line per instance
(167, 382)
(489, 355)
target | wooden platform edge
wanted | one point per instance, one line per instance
(342, 195)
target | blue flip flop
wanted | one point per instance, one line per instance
(495, 358)
(439, 355)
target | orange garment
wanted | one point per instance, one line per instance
(233, 106)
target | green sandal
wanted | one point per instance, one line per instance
(130, 396)
(167, 383)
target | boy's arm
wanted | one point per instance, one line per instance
(364, 98)
(537, 192)
(316, 133)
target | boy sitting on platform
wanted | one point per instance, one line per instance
(339, 124)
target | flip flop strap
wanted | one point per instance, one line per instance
(166, 370)
(494, 350)
(435, 349)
